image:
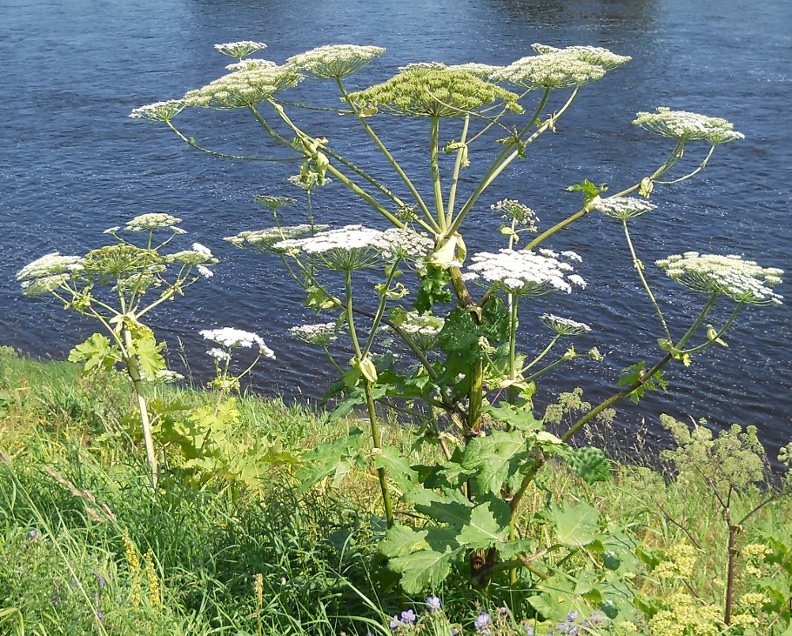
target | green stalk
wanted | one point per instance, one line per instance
(381, 307)
(133, 369)
(728, 324)
(461, 153)
(386, 153)
(434, 140)
(513, 323)
(639, 268)
(375, 432)
(676, 155)
(191, 142)
(646, 377)
(546, 350)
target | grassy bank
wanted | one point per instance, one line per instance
(89, 547)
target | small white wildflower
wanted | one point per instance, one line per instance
(239, 49)
(482, 71)
(44, 285)
(621, 207)
(112, 230)
(247, 64)
(404, 243)
(345, 249)
(219, 354)
(243, 88)
(152, 221)
(50, 265)
(513, 209)
(168, 376)
(523, 273)
(335, 61)
(683, 125)
(572, 256)
(317, 334)
(202, 249)
(205, 271)
(190, 257)
(266, 238)
(159, 111)
(231, 338)
(577, 281)
(742, 281)
(564, 326)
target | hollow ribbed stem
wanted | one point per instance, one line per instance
(434, 163)
(133, 368)
(460, 159)
(192, 143)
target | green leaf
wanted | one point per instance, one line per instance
(422, 557)
(575, 525)
(488, 526)
(147, 351)
(397, 466)
(590, 464)
(335, 459)
(519, 417)
(460, 333)
(494, 459)
(96, 352)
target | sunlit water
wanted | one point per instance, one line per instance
(73, 164)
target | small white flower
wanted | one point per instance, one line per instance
(683, 125)
(317, 334)
(524, 273)
(168, 376)
(231, 338)
(201, 249)
(112, 230)
(246, 64)
(159, 111)
(336, 61)
(348, 248)
(219, 354)
(205, 271)
(152, 221)
(621, 207)
(742, 281)
(564, 326)
(239, 49)
(50, 265)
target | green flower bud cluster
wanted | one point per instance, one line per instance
(434, 90)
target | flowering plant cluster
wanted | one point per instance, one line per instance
(457, 314)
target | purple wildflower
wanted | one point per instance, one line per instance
(572, 616)
(395, 622)
(433, 603)
(34, 534)
(100, 615)
(529, 630)
(408, 617)
(482, 622)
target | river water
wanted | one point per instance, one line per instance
(73, 164)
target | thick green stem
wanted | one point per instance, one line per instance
(460, 160)
(513, 324)
(133, 369)
(434, 140)
(191, 142)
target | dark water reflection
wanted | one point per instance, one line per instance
(74, 163)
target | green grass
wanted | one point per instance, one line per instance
(88, 547)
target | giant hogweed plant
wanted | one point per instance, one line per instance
(473, 384)
(118, 285)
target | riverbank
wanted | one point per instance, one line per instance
(230, 543)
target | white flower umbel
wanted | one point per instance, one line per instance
(44, 285)
(519, 212)
(682, 125)
(564, 326)
(404, 243)
(482, 71)
(265, 239)
(239, 49)
(335, 61)
(322, 334)
(220, 355)
(159, 111)
(423, 329)
(202, 249)
(232, 338)
(204, 271)
(191, 257)
(348, 248)
(152, 221)
(246, 64)
(523, 273)
(742, 281)
(560, 68)
(243, 88)
(53, 264)
(621, 207)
